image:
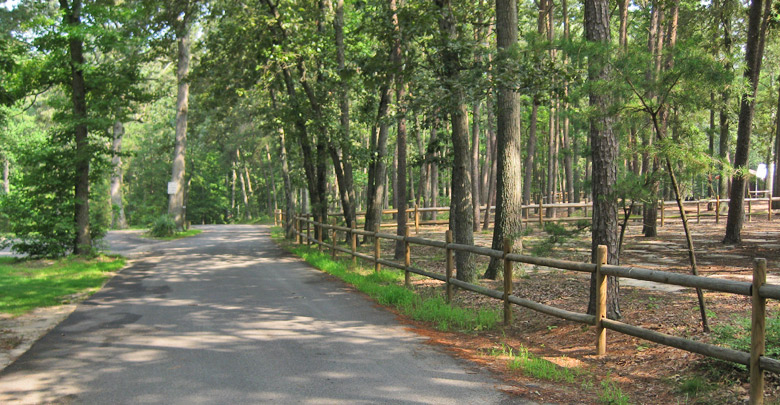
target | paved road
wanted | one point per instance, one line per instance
(227, 317)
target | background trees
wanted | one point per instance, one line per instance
(345, 106)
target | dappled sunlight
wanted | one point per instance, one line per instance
(227, 321)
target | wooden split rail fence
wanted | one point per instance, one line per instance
(309, 231)
(414, 213)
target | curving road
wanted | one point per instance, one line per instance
(227, 317)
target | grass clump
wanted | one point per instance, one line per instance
(385, 287)
(179, 235)
(737, 335)
(537, 367)
(611, 394)
(26, 285)
(163, 226)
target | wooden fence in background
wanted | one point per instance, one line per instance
(763, 206)
(310, 231)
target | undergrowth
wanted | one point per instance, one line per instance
(386, 288)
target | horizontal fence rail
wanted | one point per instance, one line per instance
(757, 289)
(763, 206)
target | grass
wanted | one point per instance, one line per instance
(177, 235)
(26, 285)
(387, 289)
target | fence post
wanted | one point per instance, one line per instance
(698, 212)
(541, 215)
(297, 230)
(507, 282)
(448, 239)
(308, 231)
(717, 209)
(750, 210)
(601, 300)
(769, 209)
(407, 258)
(757, 334)
(377, 267)
(663, 213)
(333, 240)
(318, 227)
(416, 219)
(353, 243)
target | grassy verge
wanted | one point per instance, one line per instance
(387, 289)
(525, 362)
(27, 285)
(177, 235)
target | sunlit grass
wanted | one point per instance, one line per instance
(386, 287)
(26, 285)
(177, 235)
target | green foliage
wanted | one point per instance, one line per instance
(611, 394)
(536, 367)
(557, 234)
(27, 285)
(163, 226)
(736, 335)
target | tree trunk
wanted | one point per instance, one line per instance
(377, 171)
(72, 16)
(757, 25)
(490, 197)
(400, 98)
(475, 163)
(118, 220)
(346, 181)
(509, 196)
(776, 185)
(530, 153)
(244, 197)
(462, 209)
(176, 200)
(604, 152)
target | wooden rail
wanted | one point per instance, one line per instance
(693, 208)
(758, 290)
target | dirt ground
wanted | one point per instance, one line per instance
(647, 372)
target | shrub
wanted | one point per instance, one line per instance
(163, 226)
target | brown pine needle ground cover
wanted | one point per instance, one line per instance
(647, 372)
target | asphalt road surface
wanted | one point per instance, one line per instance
(228, 317)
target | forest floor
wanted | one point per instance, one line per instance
(646, 372)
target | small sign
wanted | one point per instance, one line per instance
(173, 187)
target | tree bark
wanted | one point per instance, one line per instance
(475, 196)
(776, 185)
(118, 220)
(530, 149)
(72, 16)
(347, 181)
(757, 25)
(176, 200)
(604, 152)
(400, 99)
(377, 171)
(462, 209)
(509, 197)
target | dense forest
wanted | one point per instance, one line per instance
(127, 113)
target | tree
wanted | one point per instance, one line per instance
(508, 145)
(604, 146)
(758, 20)
(461, 208)
(182, 24)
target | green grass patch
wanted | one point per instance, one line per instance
(537, 367)
(26, 285)
(177, 235)
(386, 287)
(611, 394)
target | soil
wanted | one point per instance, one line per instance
(647, 372)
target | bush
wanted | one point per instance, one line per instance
(163, 226)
